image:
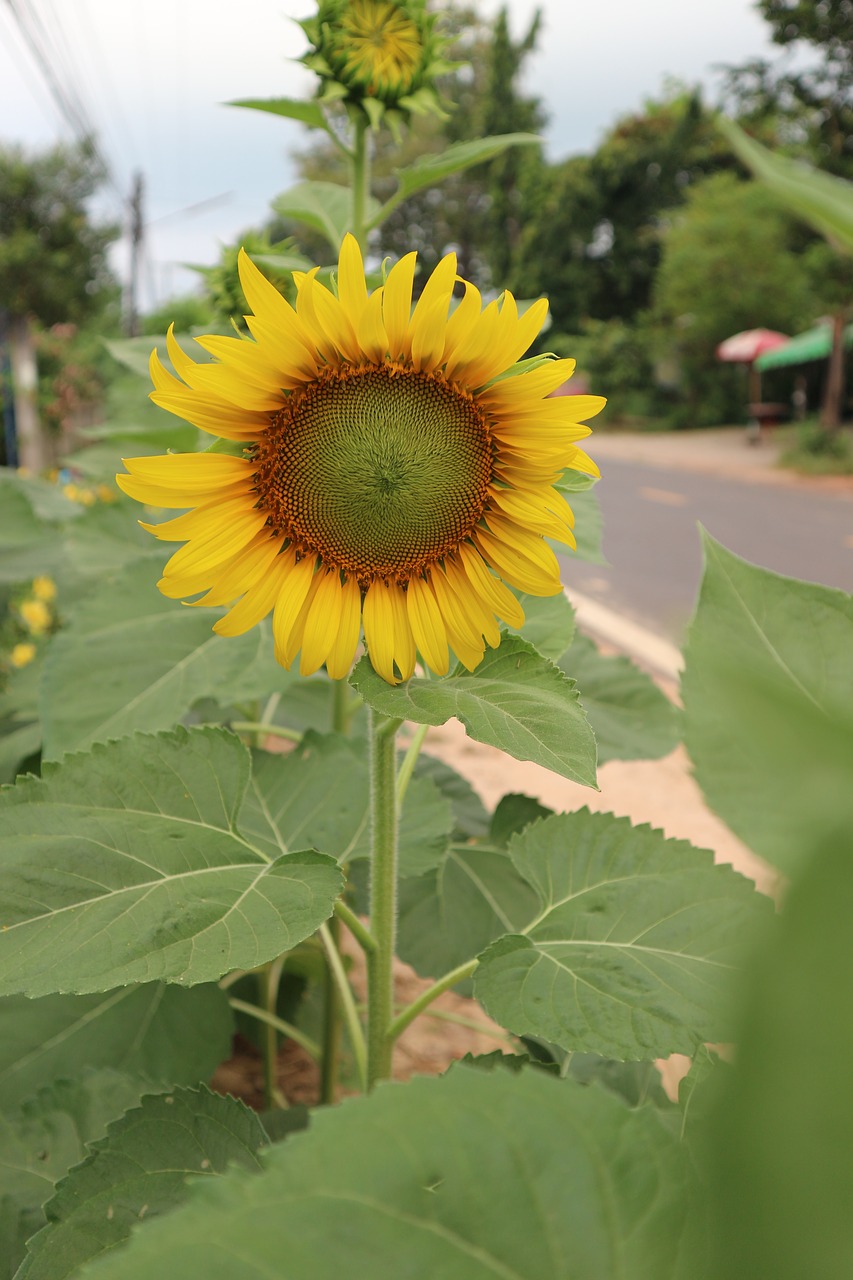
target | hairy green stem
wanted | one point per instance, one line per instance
(347, 1000)
(425, 999)
(383, 898)
(286, 1028)
(410, 759)
(268, 730)
(359, 931)
(360, 170)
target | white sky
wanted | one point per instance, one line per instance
(153, 73)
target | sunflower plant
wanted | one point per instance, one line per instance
(236, 826)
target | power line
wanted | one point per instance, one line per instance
(71, 107)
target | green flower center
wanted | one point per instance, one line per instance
(379, 471)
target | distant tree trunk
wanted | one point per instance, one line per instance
(833, 395)
(32, 446)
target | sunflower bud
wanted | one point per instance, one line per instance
(378, 57)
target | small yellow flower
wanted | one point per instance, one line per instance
(44, 588)
(22, 654)
(398, 469)
(36, 615)
(106, 493)
(71, 492)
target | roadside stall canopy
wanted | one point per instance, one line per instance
(745, 347)
(814, 344)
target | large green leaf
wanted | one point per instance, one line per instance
(782, 1129)
(153, 657)
(472, 1176)
(307, 112)
(469, 814)
(515, 700)
(432, 169)
(549, 623)
(768, 696)
(157, 1032)
(325, 207)
(287, 806)
(142, 1168)
(106, 537)
(28, 544)
(40, 1141)
(452, 913)
(631, 718)
(821, 199)
(127, 864)
(632, 953)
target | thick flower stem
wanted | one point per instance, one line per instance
(383, 899)
(360, 171)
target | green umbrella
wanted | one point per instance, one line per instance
(814, 344)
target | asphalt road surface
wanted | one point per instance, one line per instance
(652, 542)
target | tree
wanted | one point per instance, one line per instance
(593, 239)
(729, 263)
(53, 264)
(810, 109)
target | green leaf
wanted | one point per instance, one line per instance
(154, 658)
(28, 544)
(781, 1132)
(632, 953)
(821, 199)
(451, 914)
(287, 806)
(515, 700)
(40, 1141)
(326, 207)
(307, 112)
(432, 169)
(631, 718)
(513, 813)
(105, 538)
(469, 814)
(549, 623)
(132, 353)
(589, 525)
(142, 1168)
(159, 1032)
(768, 696)
(128, 865)
(472, 1176)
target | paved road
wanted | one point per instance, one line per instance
(652, 543)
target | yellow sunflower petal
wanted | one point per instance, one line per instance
(405, 655)
(322, 622)
(372, 333)
(491, 589)
(352, 289)
(471, 602)
(340, 659)
(297, 632)
(427, 625)
(435, 298)
(462, 631)
(379, 629)
(461, 320)
(291, 597)
(397, 305)
(528, 386)
(190, 471)
(254, 606)
(521, 571)
(243, 572)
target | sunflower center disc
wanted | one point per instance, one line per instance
(379, 471)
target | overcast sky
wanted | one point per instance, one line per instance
(152, 77)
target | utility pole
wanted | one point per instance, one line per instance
(137, 231)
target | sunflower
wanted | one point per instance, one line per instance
(377, 55)
(397, 469)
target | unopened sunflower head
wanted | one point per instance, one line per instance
(377, 56)
(395, 475)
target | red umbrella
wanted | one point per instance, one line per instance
(745, 347)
